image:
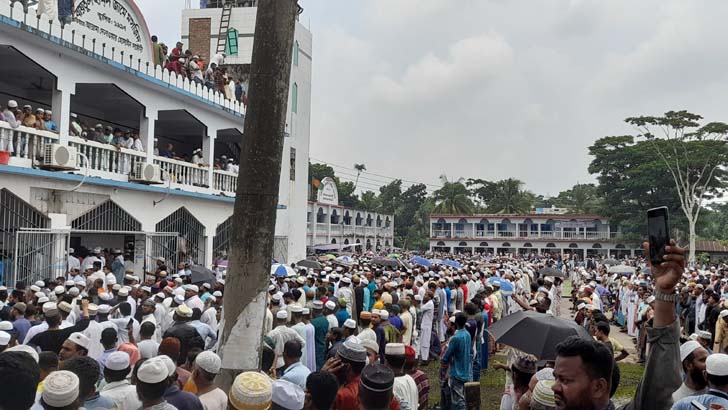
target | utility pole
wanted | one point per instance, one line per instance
(256, 199)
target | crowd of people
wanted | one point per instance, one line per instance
(350, 333)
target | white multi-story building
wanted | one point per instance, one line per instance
(58, 190)
(332, 226)
(578, 235)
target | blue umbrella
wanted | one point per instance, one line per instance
(280, 269)
(505, 286)
(451, 263)
(421, 261)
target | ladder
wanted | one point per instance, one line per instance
(222, 35)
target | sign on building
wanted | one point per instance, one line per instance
(118, 21)
(328, 193)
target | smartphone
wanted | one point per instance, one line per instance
(79, 302)
(696, 405)
(658, 231)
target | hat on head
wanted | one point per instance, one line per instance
(60, 388)
(288, 395)
(306, 311)
(65, 307)
(13, 104)
(183, 311)
(20, 307)
(35, 288)
(581, 306)
(106, 296)
(353, 351)
(123, 292)
(25, 349)
(394, 349)
(282, 314)
(209, 362)
(80, 339)
(717, 364)
(365, 315)
(59, 290)
(525, 364)
(330, 305)
(179, 299)
(543, 393)
(377, 378)
(687, 348)
(4, 338)
(370, 344)
(104, 309)
(217, 294)
(48, 306)
(351, 324)
(117, 361)
(251, 391)
(317, 305)
(147, 289)
(192, 288)
(296, 309)
(383, 314)
(92, 309)
(153, 371)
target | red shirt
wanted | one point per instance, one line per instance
(347, 398)
(465, 293)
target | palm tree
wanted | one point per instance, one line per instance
(359, 169)
(452, 198)
(509, 198)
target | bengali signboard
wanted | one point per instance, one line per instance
(328, 193)
(120, 23)
(575, 225)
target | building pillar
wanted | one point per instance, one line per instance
(208, 156)
(146, 132)
(495, 230)
(61, 107)
(609, 232)
(314, 223)
(452, 230)
(209, 257)
(539, 230)
(327, 221)
(473, 230)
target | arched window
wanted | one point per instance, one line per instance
(573, 245)
(527, 245)
(597, 246)
(294, 98)
(463, 244)
(550, 245)
(506, 245)
(333, 241)
(295, 53)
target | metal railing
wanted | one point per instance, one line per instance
(107, 158)
(589, 235)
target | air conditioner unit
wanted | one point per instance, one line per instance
(57, 155)
(148, 172)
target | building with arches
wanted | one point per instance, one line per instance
(99, 69)
(331, 226)
(579, 235)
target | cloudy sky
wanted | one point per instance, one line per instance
(497, 88)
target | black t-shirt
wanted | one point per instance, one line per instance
(52, 340)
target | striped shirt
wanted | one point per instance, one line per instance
(423, 388)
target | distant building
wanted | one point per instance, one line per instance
(578, 235)
(717, 251)
(333, 227)
(552, 211)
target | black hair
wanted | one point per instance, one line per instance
(597, 359)
(293, 349)
(337, 333)
(53, 320)
(125, 308)
(603, 327)
(151, 391)
(154, 39)
(717, 381)
(461, 320)
(470, 309)
(396, 362)
(192, 354)
(323, 388)
(356, 367)
(267, 358)
(108, 337)
(19, 377)
(147, 329)
(115, 375)
(88, 372)
(196, 314)
(47, 360)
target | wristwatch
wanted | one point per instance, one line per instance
(665, 297)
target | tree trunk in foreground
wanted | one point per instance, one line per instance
(256, 199)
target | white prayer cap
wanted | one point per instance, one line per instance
(39, 283)
(418, 298)
(650, 299)
(209, 362)
(351, 324)
(251, 390)
(179, 299)
(123, 292)
(6, 325)
(92, 309)
(192, 288)
(723, 313)
(548, 279)
(129, 277)
(217, 294)
(65, 306)
(271, 288)
(13, 104)
(117, 361)
(35, 288)
(183, 311)
(48, 306)
(296, 309)
(346, 280)
(704, 334)
(70, 283)
(384, 314)
(221, 281)
(104, 309)
(60, 388)
(394, 349)
(153, 371)
(168, 363)
(147, 289)
(370, 344)
(330, 305)
(105, 296)
(80, 339)
(282, 314)
(717, 364)
(288, 395)
(25, 349)
(4, 338)
(306, 311)
(581, 306)
(687, 348)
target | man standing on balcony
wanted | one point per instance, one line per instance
(50, 125)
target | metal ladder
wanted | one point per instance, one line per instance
(227, 9)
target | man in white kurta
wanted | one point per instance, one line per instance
(427, 312)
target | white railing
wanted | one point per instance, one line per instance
(92, 41)
(183, 173)
(599, 235)
(442, 233)
(225, 181)
(107, 158)
(24, 142)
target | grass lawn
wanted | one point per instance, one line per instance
(492, 383)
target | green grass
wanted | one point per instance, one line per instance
(492, 383)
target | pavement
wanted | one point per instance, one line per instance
(622, 338)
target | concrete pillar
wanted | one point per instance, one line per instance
(61, 107)
(452, 230)
(327, 221)
(208, 155)
(146, 132)
(208, 249)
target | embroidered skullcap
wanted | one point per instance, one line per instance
(251, 391)
(60, 388)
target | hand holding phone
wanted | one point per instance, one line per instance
(658, 233)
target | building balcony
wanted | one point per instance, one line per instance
(545, 235)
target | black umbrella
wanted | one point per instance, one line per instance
(200, 274)
(549, 271)
(385, 262)
(308, 263)
(535, 333)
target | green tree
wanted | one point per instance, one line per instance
(369, 201)
(390, 197)
(502, 197)
(317, 172)
(714, 223)
(580, 199)
(452, 198)
(359, 169)
(418, 234)
(347, 197)
(411, 202)
(695, 157)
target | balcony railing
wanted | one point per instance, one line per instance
(105, 158)
(183, 173)
(589, 235)
(224, 181)
(23, 142)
